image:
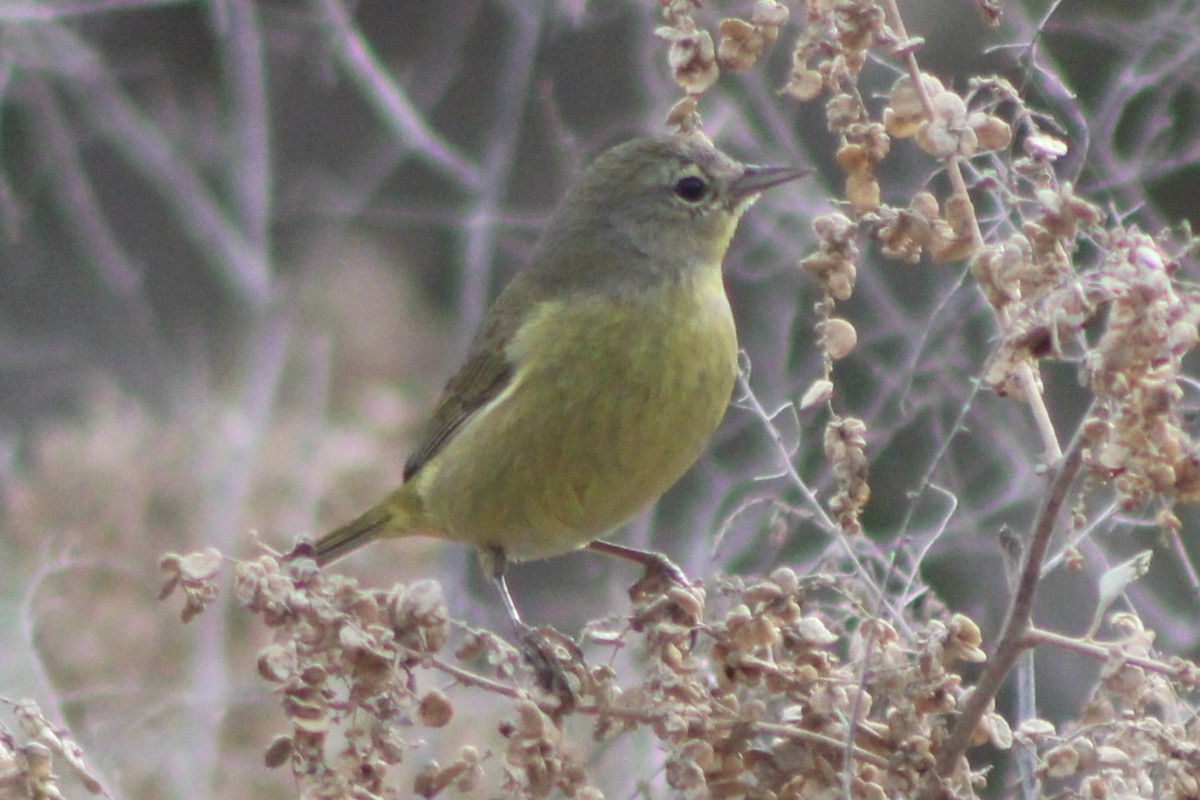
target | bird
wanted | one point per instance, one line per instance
(597, 376)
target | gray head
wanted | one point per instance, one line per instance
(656, 203)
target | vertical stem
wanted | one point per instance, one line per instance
(1025, 375)
(1020, 613)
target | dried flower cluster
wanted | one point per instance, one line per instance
(27, 760)
(753, 694)
(833, 265)
(342, 665)
(845, 447)
(743, 42)
(1063, 283)
(954, 130)
(838, 36)
(1137, 435)
(848, 681)
(692, 58)
(346, 663)
(1137, 438)
(1029, 279)
(1130, 741)
(1043, 299)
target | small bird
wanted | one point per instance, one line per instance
(597, 376)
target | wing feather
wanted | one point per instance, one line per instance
(483, 376)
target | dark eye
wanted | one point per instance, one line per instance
(691, 189)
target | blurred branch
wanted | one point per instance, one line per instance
(390, 101)
(249, 173)
(98, 245)
(481, 220)
(1184, 559)
(11, 213)
(226, 476)
(239, 264)
(18, 11)
(1104, 652)
(47, 693)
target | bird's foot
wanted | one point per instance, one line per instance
(557, 663)
(660, 572)
(304, 548)
(665, 594)
(659, 575)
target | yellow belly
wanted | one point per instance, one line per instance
(606, 411)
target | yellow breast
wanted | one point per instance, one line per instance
(612, 400)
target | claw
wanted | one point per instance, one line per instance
(543, 649)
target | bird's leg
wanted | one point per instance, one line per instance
(509, 606)
(655, 564)
(536, 646)
(494, 562)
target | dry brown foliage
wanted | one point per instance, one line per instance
(788, 669)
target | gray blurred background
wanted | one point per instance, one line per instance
(243, 244)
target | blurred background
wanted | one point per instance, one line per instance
(242, 244)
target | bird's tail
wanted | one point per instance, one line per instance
(388, 519)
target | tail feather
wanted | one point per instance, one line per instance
(364, 529)
(399, 514)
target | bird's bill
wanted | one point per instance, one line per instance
(756, 180)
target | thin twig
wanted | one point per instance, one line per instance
(785, 457)
(1184, 560)
(868, 646)
(1025, 376)
(746, 394)
(1104, 652)
(468, 678)
(50, 699)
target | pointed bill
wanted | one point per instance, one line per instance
(756, 180)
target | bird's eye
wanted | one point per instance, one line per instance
(691, 189)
